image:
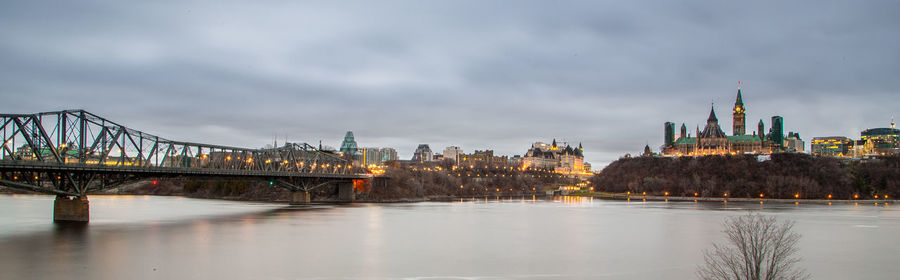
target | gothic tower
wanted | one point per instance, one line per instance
(761, 127)
(739, 124)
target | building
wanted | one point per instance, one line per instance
(793, 143)
(712, 140)
(483, 159)
(836, 146)
(377, 156)
(422, 154)
(452, 153)
(873, 142)
(881, 141)
(556, 158)
(348, 146)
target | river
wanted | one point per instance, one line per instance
(151, 237)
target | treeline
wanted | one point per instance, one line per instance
(210, 188)
(407, 184)
(784, 176)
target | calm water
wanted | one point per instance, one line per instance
(146, 237)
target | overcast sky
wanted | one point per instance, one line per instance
(476, 74)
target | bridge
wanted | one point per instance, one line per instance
(72, 153)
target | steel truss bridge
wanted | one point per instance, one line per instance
(74, 152)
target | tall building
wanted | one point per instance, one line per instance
(712, 140)
(452, 153)
(670, 133)
(739, 126)
(777, 131)
(378, 155)
(422, 154)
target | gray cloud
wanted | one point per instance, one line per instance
(480, 75)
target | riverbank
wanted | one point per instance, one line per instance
(622, 196)
(784, 176)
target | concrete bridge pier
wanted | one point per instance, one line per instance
(71, 209)
(346, 192)
(300, 197)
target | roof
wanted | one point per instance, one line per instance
(712, 115)
(744, 138)
(739, 101)
(879, 131)
(686, 141)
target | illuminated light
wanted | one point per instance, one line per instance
(695, 201)
(760, 195)
(696, 194)
(667, 194)
(760, 202)
(271, 183)
(461, 187)
(796, 195)
(155, 182)
(796, 203)
(885, 196)
(725, 195)
(855, 196)
(829, 196)
(628, 193)
(876, 196)
(644, 193)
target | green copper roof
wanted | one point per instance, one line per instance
(739, 101)
(686, 141)
(743, 138)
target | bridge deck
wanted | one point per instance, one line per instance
(35, 166)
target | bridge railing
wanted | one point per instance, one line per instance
(79, 137)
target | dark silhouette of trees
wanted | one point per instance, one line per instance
(784, 176)
(757, 248)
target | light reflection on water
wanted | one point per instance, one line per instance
(146, 237)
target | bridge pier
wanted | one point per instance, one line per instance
(345, 191)
(300, 197)
(73, 209)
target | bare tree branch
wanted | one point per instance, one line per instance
(757, 248)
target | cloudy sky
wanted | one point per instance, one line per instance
(476, 74)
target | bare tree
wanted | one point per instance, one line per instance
(758, 248)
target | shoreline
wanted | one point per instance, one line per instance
(728, 199)
(457, 198)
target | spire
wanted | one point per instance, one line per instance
(712, 115)
(892, 121)
(554, 143)
(579, 146)
(739, 100)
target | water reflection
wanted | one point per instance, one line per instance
(499, 238)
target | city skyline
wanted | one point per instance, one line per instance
(498, 77)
